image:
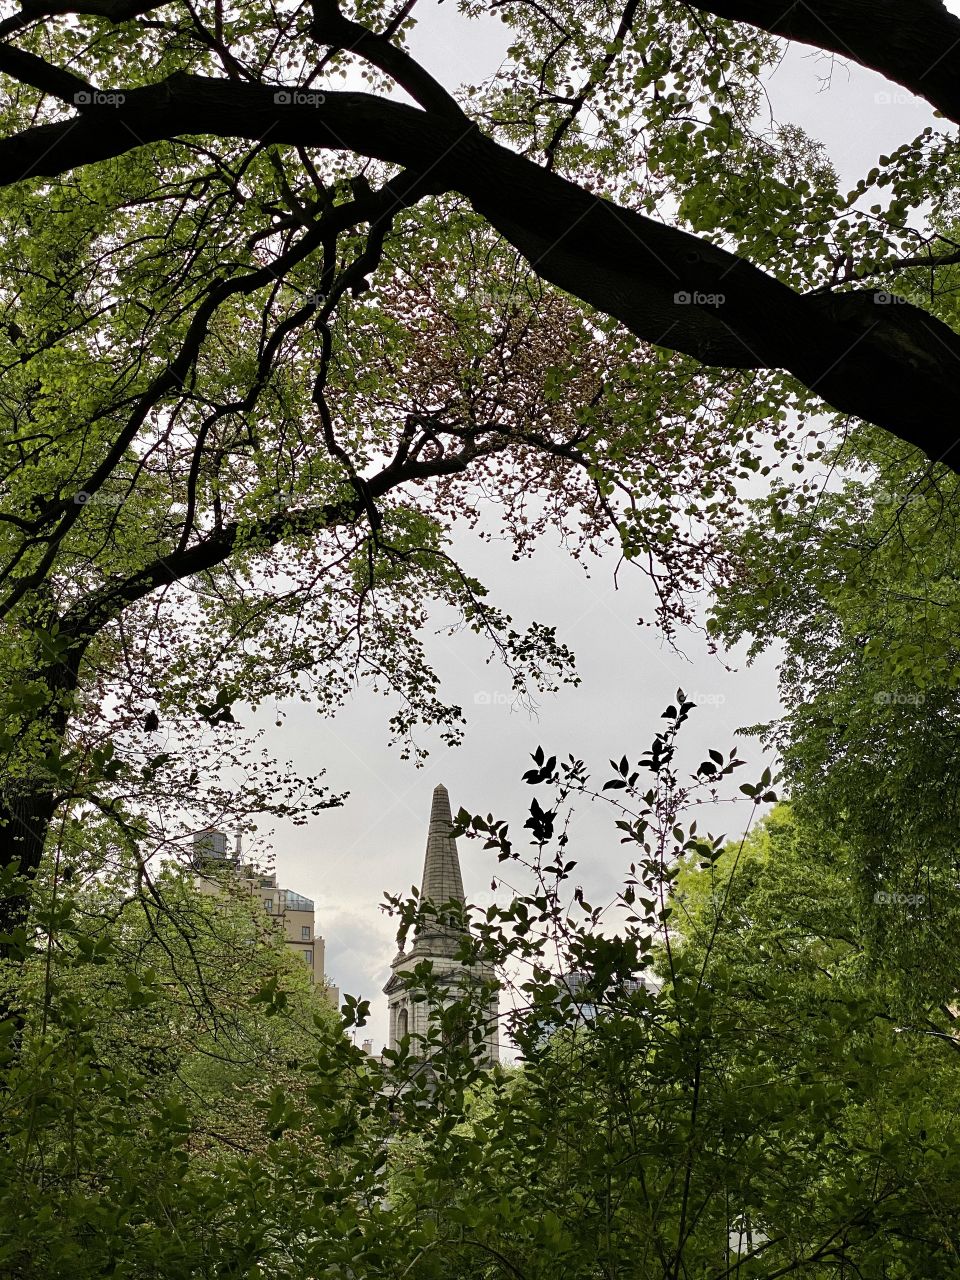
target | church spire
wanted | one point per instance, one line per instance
(439, 941)
(442, 881)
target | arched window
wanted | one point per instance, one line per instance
(401, 1024)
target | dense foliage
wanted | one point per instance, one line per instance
(266, 340)
(736, 1086)
(270, 337)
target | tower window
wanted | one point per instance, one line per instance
(305, 931)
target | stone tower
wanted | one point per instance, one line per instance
(437, 940)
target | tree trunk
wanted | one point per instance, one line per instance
(25, 816)
(30, 792)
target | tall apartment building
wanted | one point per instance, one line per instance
(288, 912)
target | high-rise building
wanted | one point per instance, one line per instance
(439, 941)
(290, 913)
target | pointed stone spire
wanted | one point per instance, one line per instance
(440, 942)
(442, 881)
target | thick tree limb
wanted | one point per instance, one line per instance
(914, 43)
(890, 364)
(29, 69)
(115, 11)
(105, 604)
(330, 27)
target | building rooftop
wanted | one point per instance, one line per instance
(296, 901)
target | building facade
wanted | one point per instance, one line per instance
(290, 913)
(576, 1007)
(439, 941)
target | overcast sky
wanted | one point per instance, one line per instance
(347, 858)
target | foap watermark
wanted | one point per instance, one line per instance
(884, 899)
(882, 298)
(708, 699)
(886, 498)
(84, 499)
(885, 98)
(496, 297)
(299, 98)
(491, 698)
(695, 299)
(96, 98)
(897, 698)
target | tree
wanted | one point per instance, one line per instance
(859, 589)
(759, 1107)
(166, 1040)
(758, 1112)
(779, 924)
(216, 373)
(626, 264)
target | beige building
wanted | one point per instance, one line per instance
(288, 912)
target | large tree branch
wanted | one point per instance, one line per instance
(93, 612)
(914, 43)
(115, 11)
(891, 364)
(330, 27)
(29, 69)
(374, 206)
(109, 601)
